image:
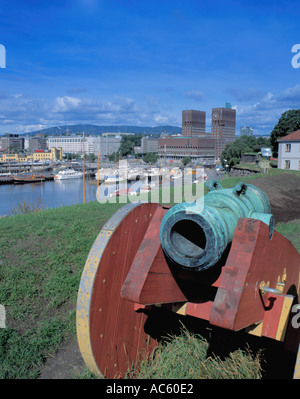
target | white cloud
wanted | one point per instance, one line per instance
(161, 120)
(264, 113)
(66, 103)
(23, 113)
(20, 113)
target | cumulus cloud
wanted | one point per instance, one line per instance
(19, 111)
(66, 104)
(265, 112)
(22, 113)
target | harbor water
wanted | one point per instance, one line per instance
(48, 194)
(54, 193)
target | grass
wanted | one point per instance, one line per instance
(185, 356)
(291, 231)
(42, 255)
(269, 171)
(24, 207)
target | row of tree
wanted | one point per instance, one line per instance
(244, 144)
(287, 123)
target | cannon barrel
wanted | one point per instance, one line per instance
(195, 235)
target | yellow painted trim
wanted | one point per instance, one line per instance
(87, 284)
(179, 308)
(84, 300)
(83, 314)
(296, 375)
(284, 317)
(255, 329)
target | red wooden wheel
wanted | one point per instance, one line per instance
(110, 332)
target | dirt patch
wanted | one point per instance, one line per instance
(283, 192)
(67, 363)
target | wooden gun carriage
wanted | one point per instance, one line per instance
(220, 261)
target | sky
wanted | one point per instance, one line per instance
(138, 62)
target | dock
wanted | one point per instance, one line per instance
(23, 179)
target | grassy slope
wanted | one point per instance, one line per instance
(42, 256)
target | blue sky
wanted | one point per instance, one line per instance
(137, 62)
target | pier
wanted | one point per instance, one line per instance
(23, 179)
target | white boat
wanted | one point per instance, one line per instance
(68, 174)
(124, 191)
(103, 172)
(136, 174)
(114, 179)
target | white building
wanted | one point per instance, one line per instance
(102, 145)
(289, 151)
(149, 144)
(69, 144)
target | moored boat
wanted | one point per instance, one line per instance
(68, 174)
(114, 179)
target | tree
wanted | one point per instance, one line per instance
(185, 160)
(114, 157)
(233, 151)
(150, 157)
(128, 143)
(287, 123)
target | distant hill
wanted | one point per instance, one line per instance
(98, 130)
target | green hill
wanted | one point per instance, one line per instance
(98, 130)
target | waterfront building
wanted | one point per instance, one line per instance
(149, 144)
(109, 143)
(37, 143)
(175, 148)
(4, 157)
(193, 123)
(54, 154)
(9, 140)
(223, 127)
(103, 145)
(69, 144)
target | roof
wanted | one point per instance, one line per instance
(295, 136)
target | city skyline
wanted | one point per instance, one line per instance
(142, 63)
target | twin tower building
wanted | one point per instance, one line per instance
(195, 141)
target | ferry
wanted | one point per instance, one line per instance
(68, 174)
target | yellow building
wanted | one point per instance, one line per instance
(55, 154)
(13, 158)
